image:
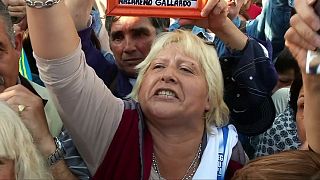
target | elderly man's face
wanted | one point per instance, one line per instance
(9, 60)
(130, 41)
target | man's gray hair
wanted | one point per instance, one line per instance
(6, 18)
(159, 23)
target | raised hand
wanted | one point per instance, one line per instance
(80, 12)
(16, 8)
(302, 35)
(214, 15)
(31, 110)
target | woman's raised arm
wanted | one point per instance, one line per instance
(52, 30)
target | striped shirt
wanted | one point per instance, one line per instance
(72, 158)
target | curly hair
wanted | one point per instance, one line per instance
(16, 144)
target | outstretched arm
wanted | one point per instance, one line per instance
(52, 30)
(249, 75)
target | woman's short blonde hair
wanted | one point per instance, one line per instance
(16, 144)
(195, 48)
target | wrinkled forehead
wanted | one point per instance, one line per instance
(130, 22)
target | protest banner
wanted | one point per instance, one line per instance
(156, 8)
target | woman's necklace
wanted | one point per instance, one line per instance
(190, 171)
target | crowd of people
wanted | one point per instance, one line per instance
(232, 95)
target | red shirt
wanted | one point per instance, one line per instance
(254, 11)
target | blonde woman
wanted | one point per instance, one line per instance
(176, 130)
(19, 158)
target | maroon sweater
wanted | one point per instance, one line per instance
(130, 153)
